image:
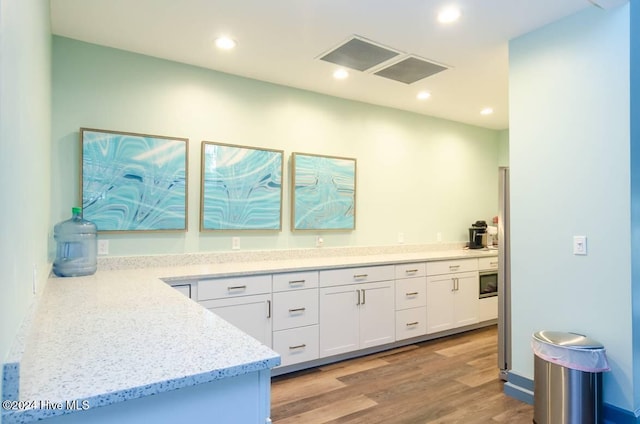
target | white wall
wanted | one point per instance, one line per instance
(416, 175)
(25, 131)
(569, 158)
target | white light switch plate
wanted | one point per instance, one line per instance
(579, 245)
(235, 243)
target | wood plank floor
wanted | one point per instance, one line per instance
(449, 380)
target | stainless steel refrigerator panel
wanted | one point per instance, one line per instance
(504, 276)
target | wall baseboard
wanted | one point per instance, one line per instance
(521, 388)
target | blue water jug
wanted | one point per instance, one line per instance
(77, 246)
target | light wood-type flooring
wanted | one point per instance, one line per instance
(449, 380)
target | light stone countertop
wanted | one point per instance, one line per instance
(124, 334)
(200, 271)
(120, 335)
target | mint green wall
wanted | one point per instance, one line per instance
(503, 148)
(416, 175)
(569, 159)
(25, 131)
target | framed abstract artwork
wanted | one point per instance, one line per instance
(241, 188)
(323, 192)
(134, 182)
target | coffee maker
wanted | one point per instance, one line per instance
(475, 234)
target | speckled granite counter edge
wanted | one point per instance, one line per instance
(30, 415)
(11, 365)
(110, 263)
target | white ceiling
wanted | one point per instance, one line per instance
(279, 41)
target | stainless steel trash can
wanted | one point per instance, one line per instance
(567, 378)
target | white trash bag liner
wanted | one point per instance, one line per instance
(570, 350)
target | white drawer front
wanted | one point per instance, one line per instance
(297, 345)
(488, 263)
(411, 293)
(339, 277)
(447, 267)
(411, 323)
(295, 281)
(221, 288)
(295, 309)
(411, 270)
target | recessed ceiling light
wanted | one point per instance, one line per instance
(448, 15)
(225, 43)
(486, 111)
(340, 74)
(423, 95)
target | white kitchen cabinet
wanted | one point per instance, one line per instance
(411, 323)
(356, 316)
(243, 301)
(296, 308)
(488, 308)
(452, 301)
(487, 264)
(411, 300)
(296, 345)
(221, 288)
(295, 316)
(251, 314)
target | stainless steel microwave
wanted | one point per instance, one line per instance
(488, 286)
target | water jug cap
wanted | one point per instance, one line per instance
(76, 210)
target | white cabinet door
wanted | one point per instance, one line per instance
(377, 313)
(356, 316)
(466, 300)
(338, 320)
(452, 301)
(440, 303)
(251, 314)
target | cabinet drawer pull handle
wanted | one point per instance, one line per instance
(360, 276)
(493, 263)
(297, 282)
(358, 297)
(411, 271)
(364, 296)
(237, 288)
(453, 267)
(412, 294)
(409, 324)
(268, 309)
(301, 346)
(297, 310)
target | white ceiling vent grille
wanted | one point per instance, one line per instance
(360, 54)
(410, 70)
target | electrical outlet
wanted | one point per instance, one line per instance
(103, 247)
(235, 243)
(439, 236)
(319, 241)
(400, 238)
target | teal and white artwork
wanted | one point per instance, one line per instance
(241, 188)
(323, 192)
(134, 182)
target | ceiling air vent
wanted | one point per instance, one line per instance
(360, 54)
(410, 70)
